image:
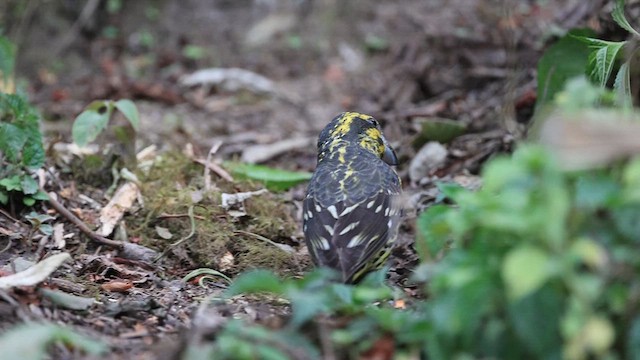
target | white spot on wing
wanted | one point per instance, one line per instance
(349, 228)
(329, 229)
(309, 214)
(379, 208)
(305, 217)
(370, 203)
(333, 211)
(348, 209)
(318, 208)
(355, 241)
(324, 244)
(386, 212)
(390, 223)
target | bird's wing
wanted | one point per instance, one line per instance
(346, 236)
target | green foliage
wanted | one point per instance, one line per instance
(21, 150)
(95, 118)
(530, 270)
(32, 341)
(7, 59)
(273, 179)
(317, 295)
(562, 61)
(579, 53)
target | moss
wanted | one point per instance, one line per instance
(169, 188)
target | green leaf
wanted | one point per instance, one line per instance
(40, 195)
(67, 301)
(274, 179)
(7, 58)
(306, 305)
(433, 232)
(562, 61)
(620, 19)
(130, 111)
(256, 281)
(29, 185)
(28, 201)
(13, 183)
(524, 270)
(438, 129)
(4, 197)
(31, 341)
(33, 155)
(536, 319)
(602, 58)
(88, 125)
(622, 86)
(12, 139)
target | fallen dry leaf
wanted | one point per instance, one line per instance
(36, 273)
(122, 201)
(117, 286)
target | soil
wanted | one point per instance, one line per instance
(469, 62)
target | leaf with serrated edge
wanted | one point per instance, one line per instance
(620, 19)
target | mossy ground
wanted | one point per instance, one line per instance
(220, 241)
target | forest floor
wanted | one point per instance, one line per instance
(452, 82)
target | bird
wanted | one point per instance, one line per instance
(351, 212)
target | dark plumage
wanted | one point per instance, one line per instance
(351, 213)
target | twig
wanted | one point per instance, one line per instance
(207, 167)
(216, 169)
(82, 226)
(8, 216)
(177, 216)
(193, 231)
(284, 247)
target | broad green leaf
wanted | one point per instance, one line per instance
(438, 129)
(602, 58)
(28, 201)
(274, 179)
(256, 281)
(562, 61)
(31, 341)
(620, 19)
(13, 183)
(524, 270)
(130, 111)
(29, 185)
(433, 232)
(595, 190)
(33, 155)
(12, 139)
(88, 125)
(307, 304)
(40, 195)
(536, 319)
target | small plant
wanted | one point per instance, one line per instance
(579, 53)
(21, 150)
(95, 118)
